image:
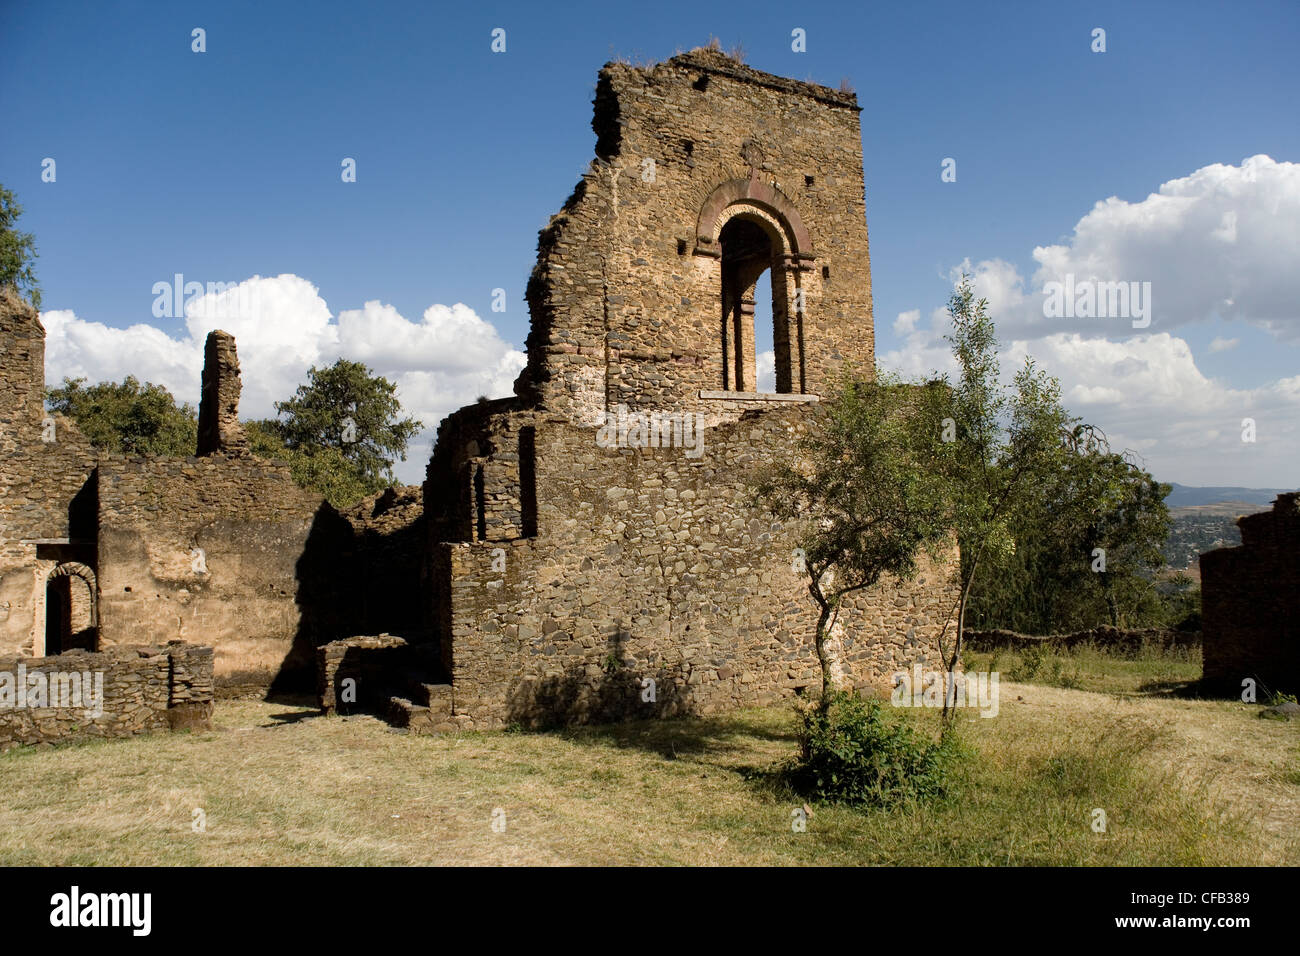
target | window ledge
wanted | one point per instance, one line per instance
(758, 396)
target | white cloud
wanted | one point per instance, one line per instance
(905, 324)
(765, 371)
(283, 327)
(1222, 242)
(1147, 394)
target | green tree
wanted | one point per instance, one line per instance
(1087, 547)
(868, 492)
(17, 250)
(1007, 444)
(127, 417)
(341, 432)
(326, 471)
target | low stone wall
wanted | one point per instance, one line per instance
(1111, 638)
(119, 692)
(379, 663)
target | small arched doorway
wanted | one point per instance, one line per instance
(71, 611)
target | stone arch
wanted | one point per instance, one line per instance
(760, 221)
(764, 196)
(71, 619)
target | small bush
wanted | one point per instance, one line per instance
(1032, 659)
(1059, 677)
(849, 752)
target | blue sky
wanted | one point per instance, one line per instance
(225, 164)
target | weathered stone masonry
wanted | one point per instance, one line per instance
(1250, 604)
(566, 574)
(538, 576)
(144, 689)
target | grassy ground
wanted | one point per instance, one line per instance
(1181, 782)
(1150, 671)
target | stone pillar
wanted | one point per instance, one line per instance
(746, 363)
(22, 364)
(219, 430)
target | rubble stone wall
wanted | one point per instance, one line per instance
(128, 690)
(1250, 604)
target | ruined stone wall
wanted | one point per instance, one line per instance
(566, 573)
(626, 297)
(47, 511)
(144, 689)
(1250, 604)
(648, 563)
(226, 550)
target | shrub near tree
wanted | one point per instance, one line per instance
(868, 489)
(889, 471)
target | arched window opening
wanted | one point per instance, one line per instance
(751, 270)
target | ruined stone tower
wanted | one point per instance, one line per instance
(219, 428)
(574, 556)
(708, 173)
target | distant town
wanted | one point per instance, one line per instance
(1206, 518)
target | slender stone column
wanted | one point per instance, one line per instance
(219, 430)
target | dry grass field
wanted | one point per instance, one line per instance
(1181, 781)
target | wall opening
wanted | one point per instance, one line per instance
(753, 360)
(480, 504)
(764, 346)
(528, 480)
(70, 612)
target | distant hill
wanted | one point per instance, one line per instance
(1184, 496)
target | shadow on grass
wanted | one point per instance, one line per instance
(680, 736)
(1184, 689)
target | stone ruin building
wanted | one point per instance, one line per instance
(555, 567)
(1250, 605)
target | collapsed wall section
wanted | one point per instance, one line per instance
(121, 692)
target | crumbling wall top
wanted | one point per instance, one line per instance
(707, 60)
